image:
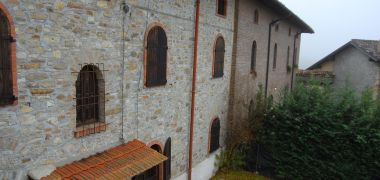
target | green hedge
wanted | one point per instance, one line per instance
(314, 132)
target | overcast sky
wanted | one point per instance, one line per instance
(335, 23)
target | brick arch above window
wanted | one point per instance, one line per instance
(218, 58)
(8, 71)
(155, 55)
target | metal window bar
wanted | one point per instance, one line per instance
(6, 79)
(90, 99)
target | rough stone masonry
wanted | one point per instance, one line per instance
(55, 36)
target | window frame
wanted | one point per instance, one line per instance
(12, 56)
(225, 9)
(214, 76)
(146, 56)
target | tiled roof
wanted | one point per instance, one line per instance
(371, 48)
(121, 162)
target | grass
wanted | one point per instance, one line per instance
(239, 175)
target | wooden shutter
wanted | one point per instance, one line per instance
(215, 132)
(222, 7)
(256, 17)
(253, 56)
(167, 163)
(6, 80)
(219, 57)
(275, 56)
(87, 95)
(156, 57)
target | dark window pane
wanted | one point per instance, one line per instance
(219, 57)
(253, 56)
(88, 96)
(215, 132)
(222, 7)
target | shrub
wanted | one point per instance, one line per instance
(316, 132)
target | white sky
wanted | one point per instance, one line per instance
(335, 23)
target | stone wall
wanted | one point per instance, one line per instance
(246, 84)
(347, 74)
(55, 37)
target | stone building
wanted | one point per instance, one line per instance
(266, 54)
(355, 64)
(85, 84)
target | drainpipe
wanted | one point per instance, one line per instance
(268, 54)
(193, 89)
(125, 10)
(294, 59)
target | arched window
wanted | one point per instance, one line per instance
(221, 7)
(275, 56)
(253, 56)
(8, 80)
(167, 163)
(156, 57)
(256, 17)
(214, 135)
(90, 96)
(219, 51)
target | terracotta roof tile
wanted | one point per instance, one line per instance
(120, 162)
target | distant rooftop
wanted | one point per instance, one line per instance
(371, 48)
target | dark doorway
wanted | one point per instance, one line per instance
(152, 173)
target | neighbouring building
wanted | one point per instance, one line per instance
(355, 65)
(266, 53)
(103, 88)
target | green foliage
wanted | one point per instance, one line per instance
(229, 159)
(315, 132)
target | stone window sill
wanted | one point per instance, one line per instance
(89, 129)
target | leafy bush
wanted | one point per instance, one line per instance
(315, 132)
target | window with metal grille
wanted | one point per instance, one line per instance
(219, 51)
(89, 96)
(215, 132)
(7, 95)
(221, 7)
(256, 17)
(253, 57)
(156, 57)
(275, 56)
(167, 163)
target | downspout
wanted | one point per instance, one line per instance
(193, 88)
(294, 59)
(268, 50)
(125, 10)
